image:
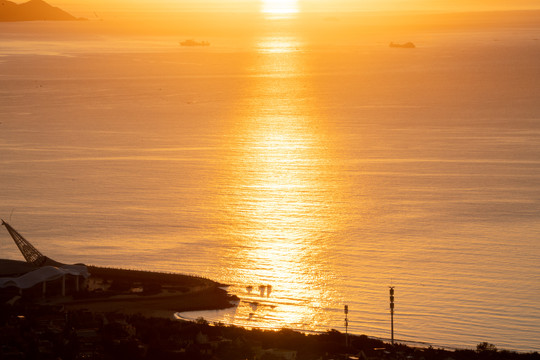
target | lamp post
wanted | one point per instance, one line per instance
(346, 311)
(392, 313)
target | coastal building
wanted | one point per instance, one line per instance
(39, 276)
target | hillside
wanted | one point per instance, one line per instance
(33, 10)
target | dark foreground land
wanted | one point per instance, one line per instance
(51, 332)
(128, 315)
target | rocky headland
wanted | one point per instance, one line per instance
(33, 10)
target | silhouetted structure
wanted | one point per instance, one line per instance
(42, 276)
(346, 311)
(392, 312)
(30, 253)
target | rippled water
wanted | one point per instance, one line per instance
(307, 175)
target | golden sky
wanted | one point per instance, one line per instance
(303, 5)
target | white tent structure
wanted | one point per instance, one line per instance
(45, 274)
(40, 269)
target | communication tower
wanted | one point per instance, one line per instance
(346, 311)
(392, 313)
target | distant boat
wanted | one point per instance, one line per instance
(191, 42)
(407, 45)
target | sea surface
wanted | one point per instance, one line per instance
(306, 170)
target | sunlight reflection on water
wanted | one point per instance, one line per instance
(275, 200)
(279, 45)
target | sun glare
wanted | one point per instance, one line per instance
(279, 7)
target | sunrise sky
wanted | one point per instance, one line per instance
(302, 5)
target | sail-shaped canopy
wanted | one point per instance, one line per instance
(42, 274)
(30, 253)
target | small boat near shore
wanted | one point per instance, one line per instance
(191, 42)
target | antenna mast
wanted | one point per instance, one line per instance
(392, 312)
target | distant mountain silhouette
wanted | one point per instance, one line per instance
(33, 10)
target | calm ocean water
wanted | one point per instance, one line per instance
(324, 171)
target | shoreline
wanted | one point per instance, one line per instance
(160, 296)
(151, 294)
(164, 304)
(119, 335)
(181, 293)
